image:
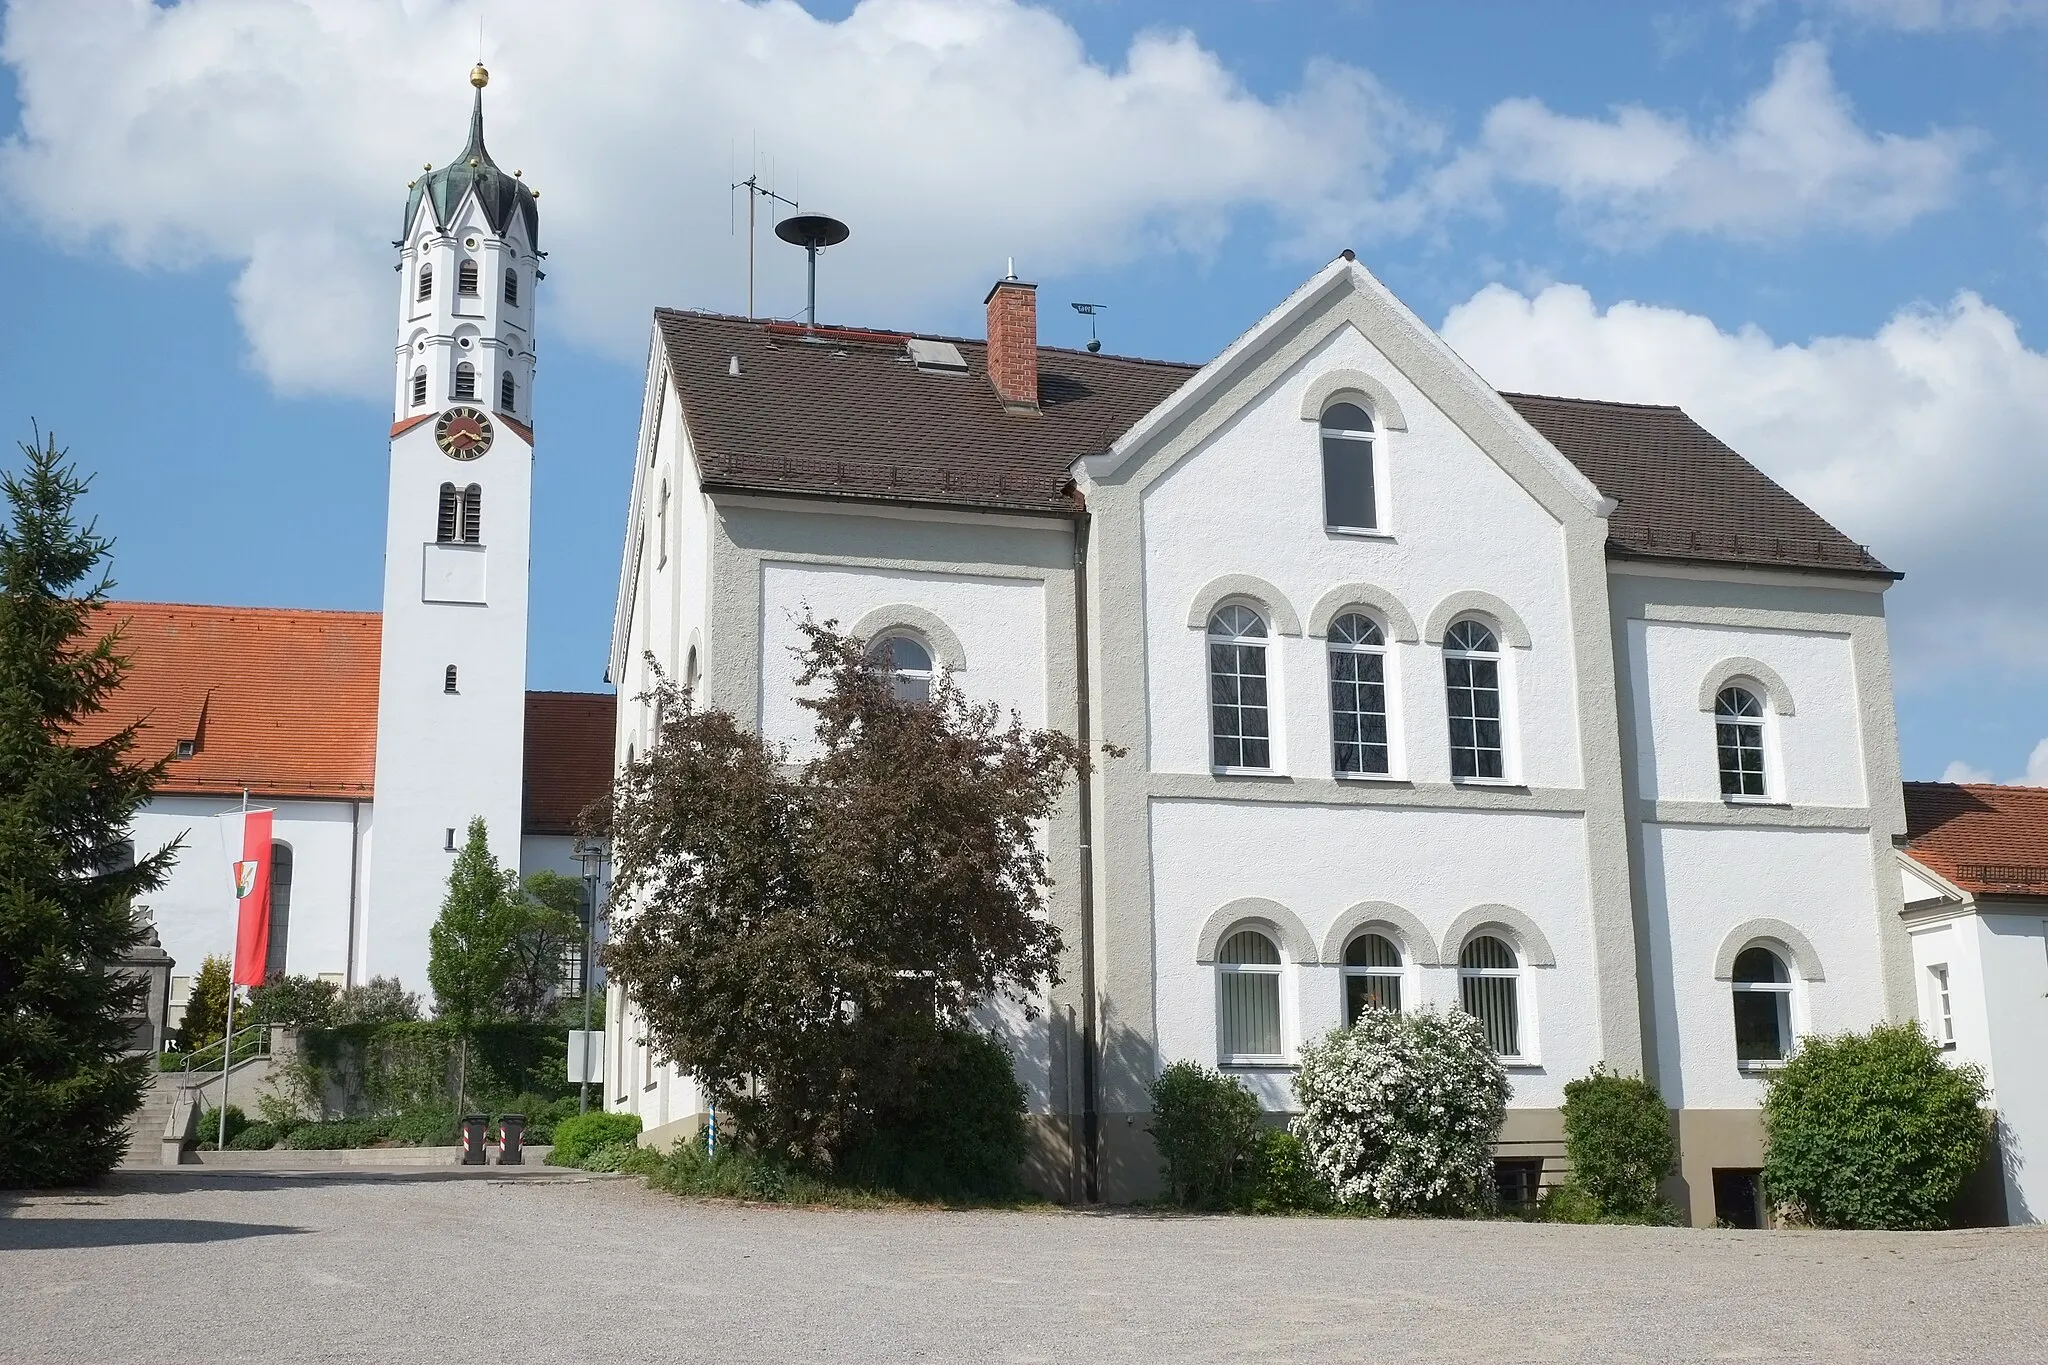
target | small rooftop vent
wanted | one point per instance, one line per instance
(935, 357)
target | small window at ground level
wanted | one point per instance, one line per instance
(1489, 978)
(1763, 1006)
(1519, 1181)
(1248, 991)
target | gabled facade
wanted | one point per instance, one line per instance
(1422, 688)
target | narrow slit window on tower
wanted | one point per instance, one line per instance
(419, 387)
(512, 287)
(449, 524)
(465, 278)
(508, 391)
(465, 381)
(472, 514)
(448, 680)
(426, 282)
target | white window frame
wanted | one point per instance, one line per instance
(1375, 462)
(1759, 726)
(1497, 656)
(1523, 1022)
(1941, 1017)
(1398, 973)
(1276, 971)
(879, 653)
(1337, 649)
(1788, 1042)
(1239, 639)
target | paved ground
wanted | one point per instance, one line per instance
(544, 1267)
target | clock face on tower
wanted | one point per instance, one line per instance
(463, 433)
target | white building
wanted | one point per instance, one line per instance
(377, 737)
(1975, 873)
(1557, 709)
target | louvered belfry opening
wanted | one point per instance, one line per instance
(465, 381)
(450, 519)
(465, 278)
(472, 514)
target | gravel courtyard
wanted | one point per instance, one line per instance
(545, 1267)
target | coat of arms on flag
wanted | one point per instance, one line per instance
(245, 878)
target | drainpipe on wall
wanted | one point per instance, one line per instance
(1091, 1180)
(355, 855)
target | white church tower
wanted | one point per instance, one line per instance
(451, 704)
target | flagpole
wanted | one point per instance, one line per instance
(227, 1043)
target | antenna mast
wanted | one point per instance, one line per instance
(756, 191)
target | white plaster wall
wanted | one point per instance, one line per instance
(2013, 949)
(1000, 623)
(1700, 883)
(1812, 757)
(1318, 861)
(195, 912)
(1250, 500)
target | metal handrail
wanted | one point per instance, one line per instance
(209, 1058)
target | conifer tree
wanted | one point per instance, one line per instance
(67, 1081)
(469, 948)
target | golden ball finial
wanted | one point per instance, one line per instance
(479, 77)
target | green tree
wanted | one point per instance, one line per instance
(1617, 1135)
(545, 923)
(802, 937)
(206, 1008)
(469, 948)
(67, 890)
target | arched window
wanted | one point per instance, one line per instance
(1348, 502)
(907, 662)
(1358, 694)
(472, 530)
(465, 278)
(1248, 998)
(1472, 684)
(512, 286)
(690, 670)
(1763, 1006)
(465, 381)
(508, 391)
(426, 290)
(419, 387)
(448, 680)
(1739, 738)
(1372, 976)
(448, 525)
(661, 528)
(280, 908)
(1240, 732)
(1488, 976)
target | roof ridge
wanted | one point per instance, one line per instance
(981, 342)
(222, 608)
(2027, 788)
(1594, 402)
(565, 692)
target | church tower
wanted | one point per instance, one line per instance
(451, 702)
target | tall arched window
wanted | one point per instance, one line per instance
(690, 674)
(508, 392)
(907, 662)
(661, 528)
(472, 530)
(465, 278)
(419, 387)
(512, 286)
(280, 908)
(465, 381)
(448, 680)
(426, 290)
(1763, 1006)
(1358, 694)
(1240, 733)
(1372, 976)
(1489, 975)
(448, 525)
(1472, 685)
(1739, 739)
(1348, 497)
(1248, 998)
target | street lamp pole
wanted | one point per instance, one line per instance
(591, 855)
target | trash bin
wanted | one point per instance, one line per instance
(473, 1129)
(511, 1135)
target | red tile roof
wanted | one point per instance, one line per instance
(1988, 840)
(283, 702)
(569, 738)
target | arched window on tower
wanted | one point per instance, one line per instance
(465, 278)
(508, 392)
(419, 387)
(472, 514)
(426, 282)
(450, 520)
(465, 381)
(512, 287)
(448, 680)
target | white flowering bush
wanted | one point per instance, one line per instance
(1400, 1113)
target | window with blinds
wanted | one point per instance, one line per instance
(512, 287)
(465, 381)
(465, 278)
(1488, 980)
(1248, 998)
(419, 387)
(426, 290)
(472, 509)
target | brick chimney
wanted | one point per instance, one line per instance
(1013, 343)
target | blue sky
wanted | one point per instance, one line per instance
(1821, 225)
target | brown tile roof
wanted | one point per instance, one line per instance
(848, 415)
(281, 702)
(569, 738)
(1987, 840)
(284, 703)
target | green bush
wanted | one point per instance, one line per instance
(209, 1126)
(578, 1138)
(424, 1126)
(1207, 1129)
(257, 1137)
(1872, 1130)
(1617, 1135)
(293, 1002)
(336, 1135)
(1284, 1180)
(1568, 1203)
(960, 1132)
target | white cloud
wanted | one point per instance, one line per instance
(2037, 766)
(1927, 440)
(1792, 159)
(951, 134)
(1922, 16)
(2036, 774)
(1959, 771)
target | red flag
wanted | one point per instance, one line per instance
(252, 890)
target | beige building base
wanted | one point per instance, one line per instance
(665, 1137)
(1711, 1140)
